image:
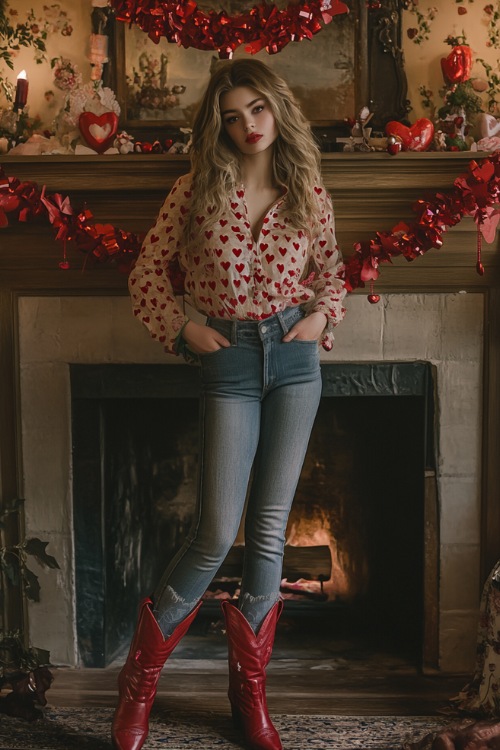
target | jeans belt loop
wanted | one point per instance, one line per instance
(282, 322)
(234, 333)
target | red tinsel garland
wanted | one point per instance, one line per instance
(474, 193)
(103, 242)
(262, 27)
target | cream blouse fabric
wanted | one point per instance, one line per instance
(231, 275)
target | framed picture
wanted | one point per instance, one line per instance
(333, 75)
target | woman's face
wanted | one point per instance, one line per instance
(248, 120)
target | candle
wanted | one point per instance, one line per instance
(21, 91)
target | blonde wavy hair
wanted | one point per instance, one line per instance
(215, 159)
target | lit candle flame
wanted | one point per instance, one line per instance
(22, 74)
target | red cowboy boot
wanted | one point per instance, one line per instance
(139, 677)
(249, 655)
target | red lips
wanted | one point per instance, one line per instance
(253, 138)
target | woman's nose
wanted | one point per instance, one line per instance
(249, 126)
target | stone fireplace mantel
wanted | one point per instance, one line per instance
(370, 192)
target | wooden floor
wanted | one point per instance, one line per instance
(311, 672)
(295, 686)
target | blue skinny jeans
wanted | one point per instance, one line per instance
(258, 403)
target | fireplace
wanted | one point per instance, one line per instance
(355, 539)
(440, 333)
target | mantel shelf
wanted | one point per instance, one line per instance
(371, 192)
(341, 171)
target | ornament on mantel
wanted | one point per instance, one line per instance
(394, 145)
(98, 130)
(487, 125)
(99, 39)
(417, 137)
(90, 115)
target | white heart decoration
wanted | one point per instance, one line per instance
(100, 132)
(488, 125)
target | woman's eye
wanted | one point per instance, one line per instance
(231, 120)
(258, 108)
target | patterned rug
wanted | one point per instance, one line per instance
(88, 729)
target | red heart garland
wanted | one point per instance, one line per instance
(416, 138)
(98, 130)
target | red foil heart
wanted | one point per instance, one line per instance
(373, 299)
(457, 66)
(98, 131)
(416, 138)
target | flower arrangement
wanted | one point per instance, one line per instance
(148, 93)
(461, 95)
(66, 75)
(32, 32)
(461, 102)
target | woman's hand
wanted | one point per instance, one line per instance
(309, 328)
(203, 339)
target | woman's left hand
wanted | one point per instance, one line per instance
(309, 328)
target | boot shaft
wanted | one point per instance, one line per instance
(149, 647)
(248, 651)
(249, 655)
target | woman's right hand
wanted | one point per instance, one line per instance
(203, 339)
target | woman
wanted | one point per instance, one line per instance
(246, 227)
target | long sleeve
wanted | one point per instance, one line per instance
(150, 281)
(328, 287)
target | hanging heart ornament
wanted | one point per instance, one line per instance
(98, 130)
(418, 137)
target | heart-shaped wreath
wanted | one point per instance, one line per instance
(262, 27)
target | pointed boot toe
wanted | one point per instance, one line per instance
(129, 739)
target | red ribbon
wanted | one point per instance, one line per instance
(262, 27)
(475, 193)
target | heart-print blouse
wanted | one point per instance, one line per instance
(231, 275)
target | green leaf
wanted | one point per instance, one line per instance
(36, 547)
(31, 585)
(41, 657)
(12, 573)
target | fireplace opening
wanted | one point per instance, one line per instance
(359, 540)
